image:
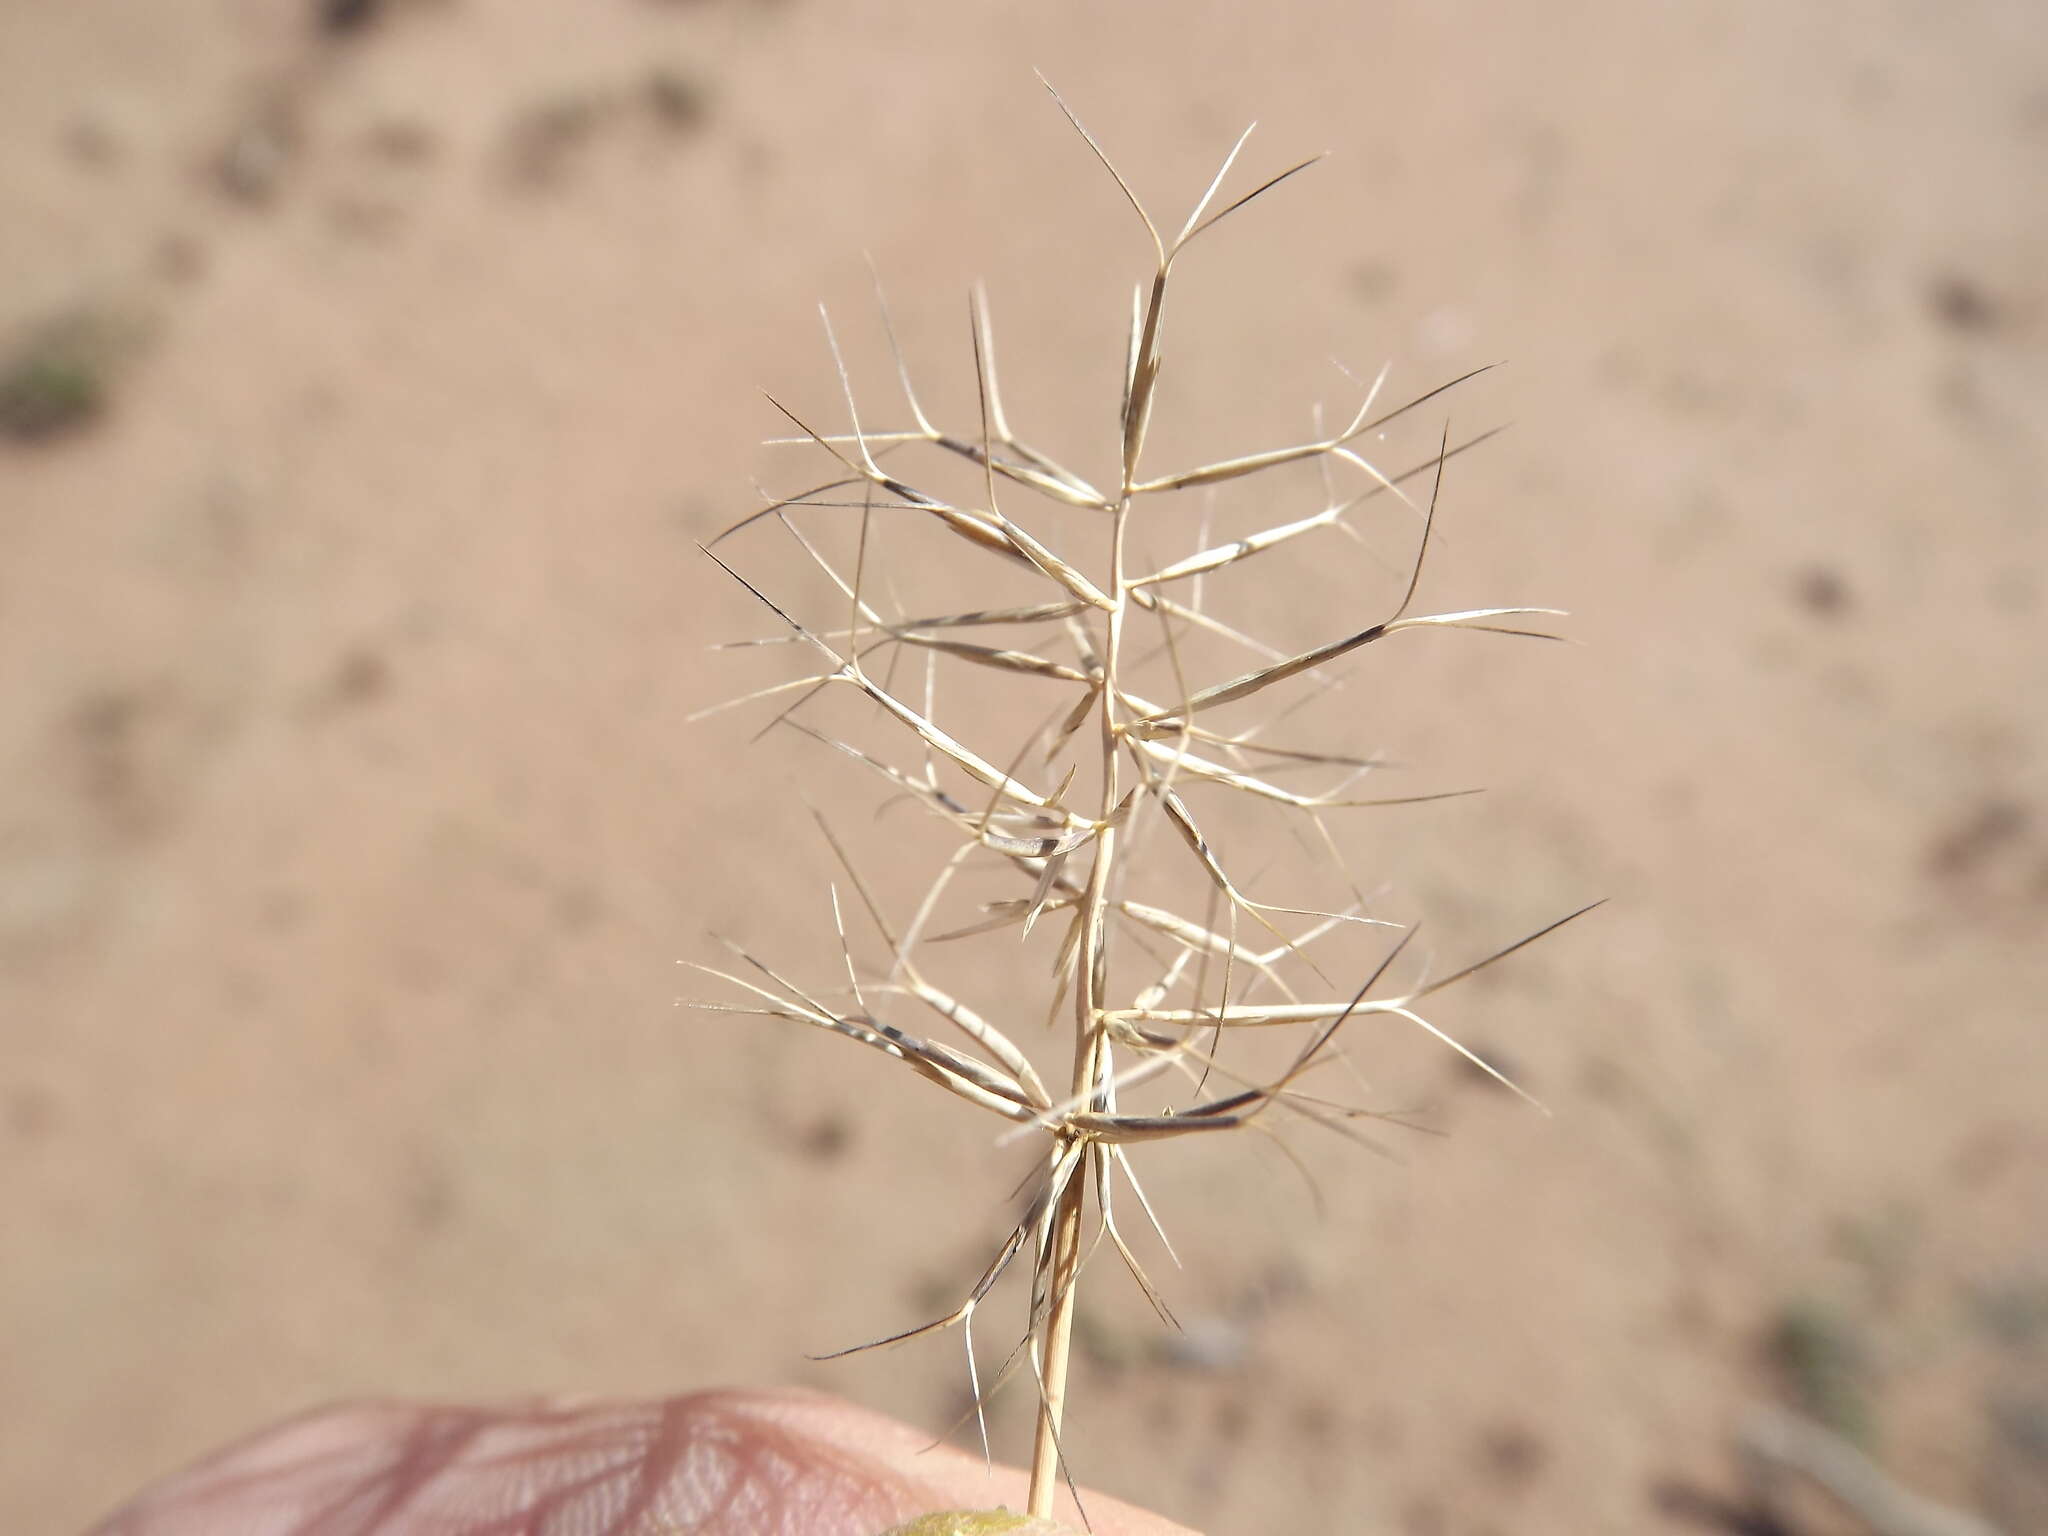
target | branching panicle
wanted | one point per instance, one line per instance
(1216, 970)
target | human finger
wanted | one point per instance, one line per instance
(722, 1463)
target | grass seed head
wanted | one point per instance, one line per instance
(1069, 715)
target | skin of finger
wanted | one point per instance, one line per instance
(724, 1463)
(963, 1481)
(981, 1522)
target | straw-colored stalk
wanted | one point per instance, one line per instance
(1071, 864)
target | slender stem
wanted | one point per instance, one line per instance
(1055, 1346)
(1092, 1064)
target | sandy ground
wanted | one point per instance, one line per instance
(350, 824)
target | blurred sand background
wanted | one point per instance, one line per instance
(371, 379)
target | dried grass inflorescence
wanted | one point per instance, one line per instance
(1097, 805)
